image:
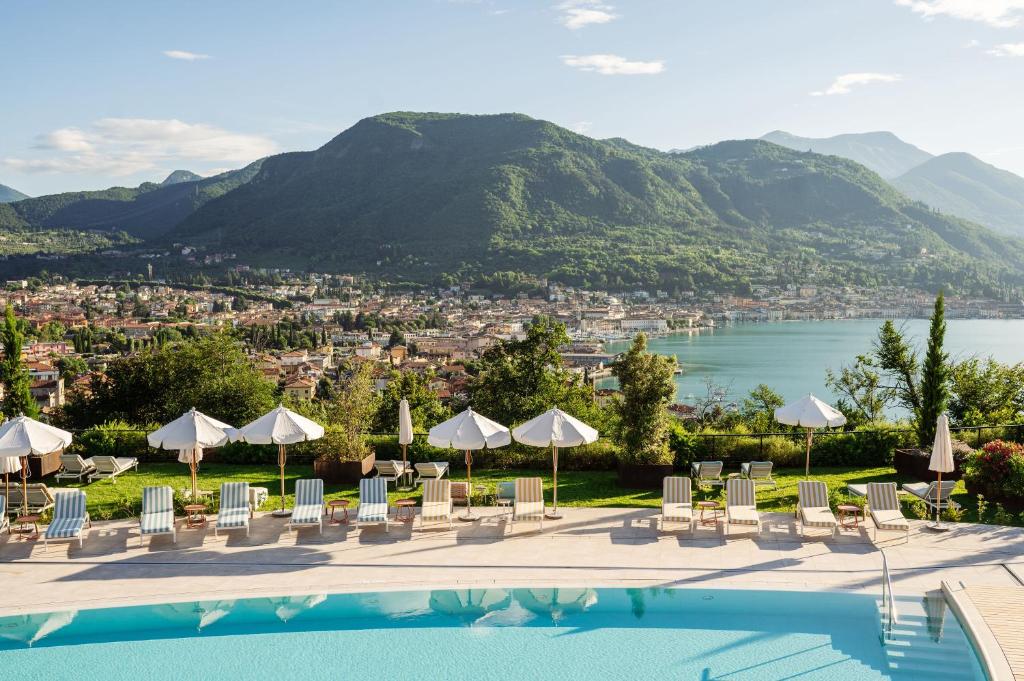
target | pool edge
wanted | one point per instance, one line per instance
(990, 653)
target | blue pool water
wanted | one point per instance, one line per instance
(502, 634)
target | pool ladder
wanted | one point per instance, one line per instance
(889, 615)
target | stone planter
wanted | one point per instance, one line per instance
(913, 463)
(643, 476)
(335, 472)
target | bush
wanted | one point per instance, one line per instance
(117, 438)
(997, 470)
(598, 456)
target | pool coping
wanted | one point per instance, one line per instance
(990, 653)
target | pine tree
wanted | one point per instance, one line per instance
(18, 398)
(934, 376)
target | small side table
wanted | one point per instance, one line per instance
(195, 516)
(24, 521)
(405, 510)
(714, 507)
(848, 516)
(335, 504)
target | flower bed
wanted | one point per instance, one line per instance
(997, 472)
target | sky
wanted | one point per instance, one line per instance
(104, 93)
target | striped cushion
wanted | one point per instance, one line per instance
(62, 528)
(740, 492)
(817, 517)
(373, 499)
(882, 496)
(812, 494)
(676, 490)
(157, 500)
(233, 496)
(307, 514)
(233, 517)
(506, 490)
(309, 492)
(161, 522)
(529, 498)
(758, 469)
(708, 470)
(437, 499)
(68, 515)
(889, 520)
(742, 515)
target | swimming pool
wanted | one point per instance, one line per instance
(478, 634)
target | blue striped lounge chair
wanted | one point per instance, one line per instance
(813, 509)
(235, 510)
(309, 504)
(111, 467)
(5, 522)
(157, 513)
(676, 501)
(707, 473)
(437, 502)
(758, 471)
(74, 467)
(741, 504)
(69, 518)
(884, 507)
(529, 503)
(505, 495)
(373, 502)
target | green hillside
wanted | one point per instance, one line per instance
(8, 194)
(882, 152)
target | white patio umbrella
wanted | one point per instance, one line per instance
(810, 413)
(469, 431)
(190, 434)
(404, 429)
(941, 462)
(21, 437)
(554, 428)
(281, 427)
(8, 465)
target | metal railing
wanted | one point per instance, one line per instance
(889, 614)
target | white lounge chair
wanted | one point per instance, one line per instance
(707, 473)
(431, 470)
(813, 509)
(373, 502)
(309, 505)
(437, 502)
(925, 491)
(884, 507)
(741, 504)
(111, 467)
(505, 495)
(235, 510)
(69, 518)
(5, 522)
(157, 513)
(392, 471)
(758, 471)
(40, 498)
(74, 467)
(676, 501)
(529, 503)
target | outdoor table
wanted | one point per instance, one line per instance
(405, 510)
(848, 518)
(714, 507)
(23, 521)
(195, 516)
(334, 504)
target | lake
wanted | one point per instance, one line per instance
(792, 357)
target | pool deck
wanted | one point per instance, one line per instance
(592, 546)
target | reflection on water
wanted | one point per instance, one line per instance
(31, 629)
(199, 614)
(289, 607)
(556, 603)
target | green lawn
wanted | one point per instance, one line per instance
(122, 499)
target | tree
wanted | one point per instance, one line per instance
(71, 366)
(645, 380)
(18, 398)
(934, 376)
(899, 366)
(863, 398)
(396, 338)
(986, 393)
(758, 408)
(425, 407)
(352, 410)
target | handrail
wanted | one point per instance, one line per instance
(888, 599)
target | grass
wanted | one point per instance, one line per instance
(122, 499)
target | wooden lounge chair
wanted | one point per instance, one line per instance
(707, 473)
(309, 505)
(373, 502)
(460, 493)
(676, 502)
(884, 507)
(5, 522)
(235, 509)
(431, 470)
(392, 471)
(813, 509)
(758, 471)
(437, 502)
(111, 467)
(40, 498)
(69, 518)
(925, 491)
(529, 503)
(741, 504)
(157, 513)
(74, 467)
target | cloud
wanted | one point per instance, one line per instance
(579, 13)
(972, 43)
(1007, 50)
(999, 13)
(613, 65)
(186, 56)
(582, 127)
(124, 146)
(843, 84)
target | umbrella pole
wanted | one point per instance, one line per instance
(554, 514)
(938, 496)
(469, 515)
(405, 449)
(281, 458)
(807, 464)
(192, 470)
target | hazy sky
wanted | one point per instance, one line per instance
(105, 93)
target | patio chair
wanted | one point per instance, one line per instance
(235, 509)
(40, 498)
(431, 470)
(707, 473)
(111, 467)
(813, 509)
(437, 502)
(741, 504)
(758, 471)
(505, 494)
(460, 493)
(74, 467)
(925, 491)
(884, 507)
(157, 513)
(676, 501)
(69, 518)
(529, 502)
(392, 471)
(5, 522)
(373, 502)
(309, 505)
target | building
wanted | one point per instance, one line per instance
(301, 388)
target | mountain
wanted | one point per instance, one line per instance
(146, 211)
(7, 194)
(968, 187)
(425, 195)
(179, 176)
(882, 152)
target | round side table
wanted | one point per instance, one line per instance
(24, 521)
(848, 516)
(714, 507)
(335, 504)
(406, 510)
(195, 516)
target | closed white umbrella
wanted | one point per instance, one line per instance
(8, 465)
(810, 413)
(190, 433)
(554, 428)
(469, 431)
(280, 427)
(21, 437)
(941, 462)
(404, 429)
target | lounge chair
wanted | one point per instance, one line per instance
(741, 504)
(431, 470)
(758, 471)
(884, 507)
(74, 467)
(529, 503)
(707, 473)
(925, 491)
(69, 518)
(157, 513)
(111, 467)
(505, 494)
(676, 501)
(235, 509)
(392, 471)
(437, 502)
(309, 504)
(373, 502)
(813, 509)
(460, 493)
(5, 522)
(40, 498)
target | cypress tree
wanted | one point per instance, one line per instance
(934, 377)
(18, 399)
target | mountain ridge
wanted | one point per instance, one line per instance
(10, 194)
(881, 151)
